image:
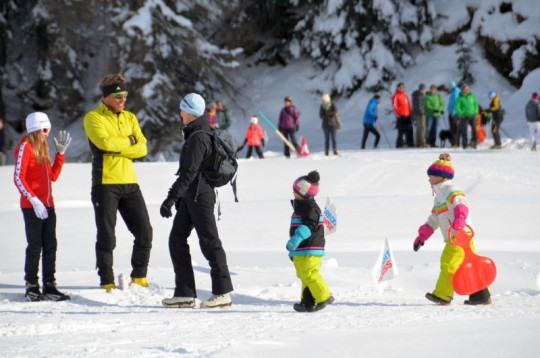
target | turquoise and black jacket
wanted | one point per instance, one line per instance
(307, 229)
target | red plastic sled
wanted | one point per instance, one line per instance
(475, 272)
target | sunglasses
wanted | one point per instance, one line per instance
(45, 130)
(119, 95)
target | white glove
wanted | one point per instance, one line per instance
(39, 208)
(63, 141)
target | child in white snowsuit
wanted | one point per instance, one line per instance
(306, 244)
(450, 209)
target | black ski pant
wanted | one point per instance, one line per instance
(453, 121)
(496, 126)
(288, 133)
(128, 200)
(198, 214)
(257, 149)
(41, 239)
(405, 129)
(370, 128)
(465, 122)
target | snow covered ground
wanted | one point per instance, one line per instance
(378, 194)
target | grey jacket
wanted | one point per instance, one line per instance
(532, 111)
(418, 107)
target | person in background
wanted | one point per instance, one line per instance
(194, 199)
(306, 244)
(532, 113)
(370, 117)
(330, 123)
(402, 109)
(497, 116)
(467, 110)
(450, 210)
(3, 143)
(434, 110)
(212, 116)
(254, 138)
(223, 114)
(34, 174)
(288, 124)
(115, 140)
(419, 115)
(452, 117)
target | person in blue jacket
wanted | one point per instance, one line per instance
(370, 117)
(452, 117)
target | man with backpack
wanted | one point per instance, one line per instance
(194, 199)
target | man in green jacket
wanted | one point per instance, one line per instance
(467, 111)
(434, 109)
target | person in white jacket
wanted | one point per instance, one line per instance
(450, 209)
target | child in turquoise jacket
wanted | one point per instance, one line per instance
(306, 244)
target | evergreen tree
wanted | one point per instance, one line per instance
(464, 61)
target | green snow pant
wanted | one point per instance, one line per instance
(307, 270)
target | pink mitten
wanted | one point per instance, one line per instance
(424, 232)
(460, 215)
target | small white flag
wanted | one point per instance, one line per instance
(330, 218)
(385, 268)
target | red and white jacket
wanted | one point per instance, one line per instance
(33, 179)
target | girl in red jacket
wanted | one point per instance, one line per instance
(34, 173)
(254, 138)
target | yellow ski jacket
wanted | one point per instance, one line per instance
(112, 153)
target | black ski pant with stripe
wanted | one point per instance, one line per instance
(127, 199)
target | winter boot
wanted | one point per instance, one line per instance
(437, 300)
(141, 281)
(336, 152)
(33, 293)
(179, 302)
(326, 152)
(304, 307)
(51, 293)
(109, 287)
(218, 301)
(322, 305)
(482, 297)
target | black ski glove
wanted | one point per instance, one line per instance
(165, 209)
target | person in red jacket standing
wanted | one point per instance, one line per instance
(402, 108)
(254, 138)
(34, 173)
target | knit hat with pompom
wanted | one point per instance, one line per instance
(307, 186)
(442, 168)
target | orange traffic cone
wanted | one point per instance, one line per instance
(304, 150)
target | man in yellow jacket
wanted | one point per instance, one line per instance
(116, 139)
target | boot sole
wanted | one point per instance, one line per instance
(179, 305)
(55, 298)
(223, 305)
(431, 297)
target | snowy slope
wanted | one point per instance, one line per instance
(378, 194)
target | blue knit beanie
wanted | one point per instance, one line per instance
(193, 103)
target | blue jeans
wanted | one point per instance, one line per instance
(431, 135)
(329, 134)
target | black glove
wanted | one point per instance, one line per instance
(262, 142)
(165, 209)
(296, 128)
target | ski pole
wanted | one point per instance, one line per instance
(385, 137)
(279, 134)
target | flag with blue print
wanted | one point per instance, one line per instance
(385, 268)
(330, 218)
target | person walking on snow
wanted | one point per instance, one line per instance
(370, 117)
(330, 123)
(532, 113)
(254, 138)
(497, 116)
(306, 244)
(194, 199)
(402, 109)
(288, 124)
(434, 109)
(34, 174)
(450, 209)
(115, 140)
(419, 114)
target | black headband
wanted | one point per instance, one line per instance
(115, 87)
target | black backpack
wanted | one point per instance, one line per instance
(223, 165)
